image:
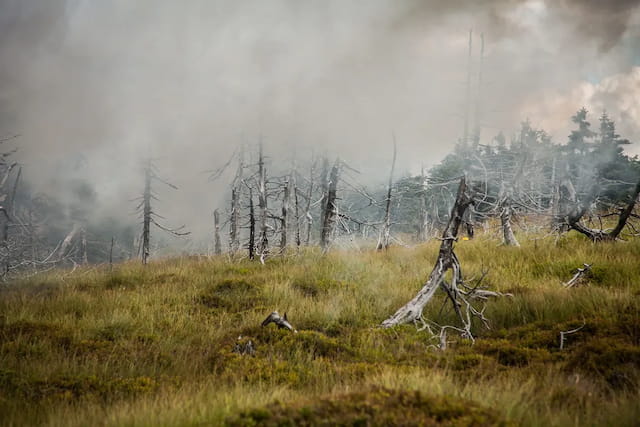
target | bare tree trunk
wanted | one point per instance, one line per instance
(66, 242)
(252, 227)
(509, 239)
(217, 248)
(424, 214)
(468, 224)
(284, 217)
(234, 218)
(14, 192)
(111, 254)
(385, 233)
(262, 203)
(296, 209)
(626, 213)
(412, 311)
(309, 218)
(83, 245)
(146, 214)
(553, 202)
(566, 205)
(324, 187)
(601, 235)
(331, 208)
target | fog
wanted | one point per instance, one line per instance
(104, 84)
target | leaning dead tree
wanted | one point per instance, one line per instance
(457, 291)
(385, 233)
(599, 235)
(149, 217)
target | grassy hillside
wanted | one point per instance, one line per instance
(154, 345)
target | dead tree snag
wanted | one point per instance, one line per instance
(385, 233)
(330, 207)
(460, 295)
(217, 246)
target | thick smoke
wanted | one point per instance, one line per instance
(184, 82)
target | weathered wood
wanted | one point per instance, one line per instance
(385, 233)
(280, 321)
(509, 239)
(412, 311)
(234, 215)
(596, 235)
(286, 196)
(217, 245)
(331, 210)
(263, 245)
(252, 226)
(580, 273)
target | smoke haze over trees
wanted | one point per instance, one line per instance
(93, 88)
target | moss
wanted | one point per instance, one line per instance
(374, 407)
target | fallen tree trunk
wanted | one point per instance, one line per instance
(412, 311)
(601, 235)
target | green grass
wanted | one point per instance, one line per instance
(149, 346)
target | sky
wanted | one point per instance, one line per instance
(104, 84)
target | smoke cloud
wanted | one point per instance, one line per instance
(106, 84)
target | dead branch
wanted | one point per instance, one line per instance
(280, 321)
(578, 276)
(563, 334)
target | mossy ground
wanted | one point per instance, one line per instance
(154, 345)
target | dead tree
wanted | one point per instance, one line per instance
(217, 248)
(63, 249)
(424, 213)
(251, 246)
(460, 294)
(263, 245)
(330, 207)
(506, 210)
(83, 245)
(280, 321)
(294, 182)
(234, 217)
(308, 216)
(574, 219)
(284, 215)
(148, 215)
(578, 276)
(385, 232)
(324, 190)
